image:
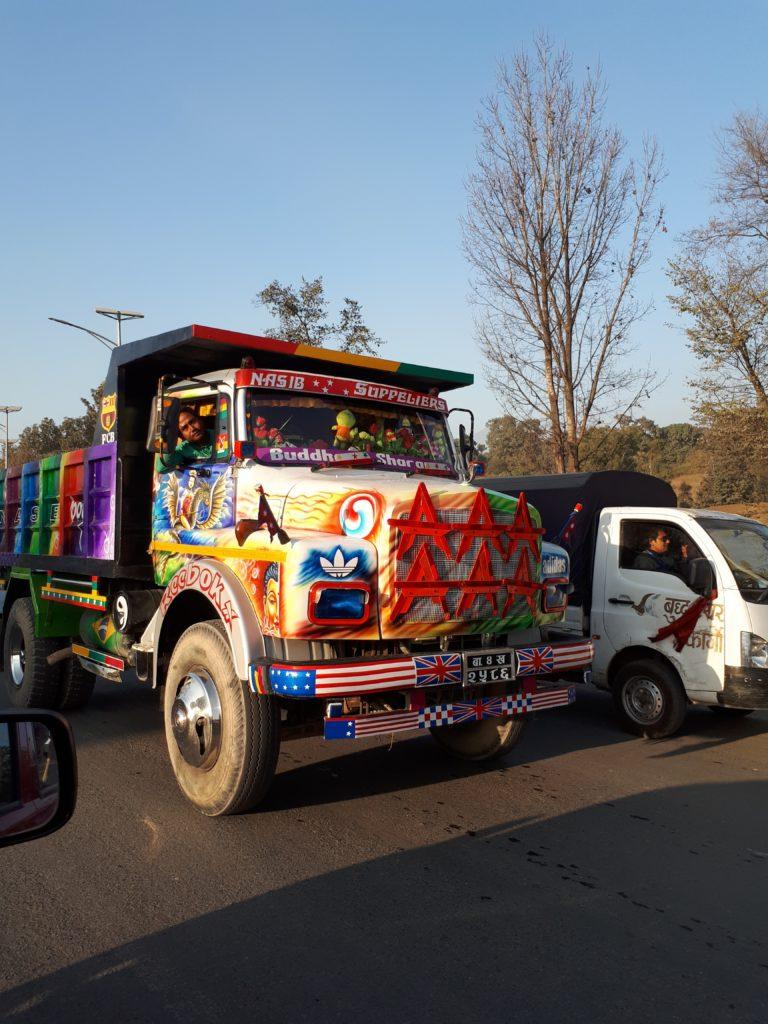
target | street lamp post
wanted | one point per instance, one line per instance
(8, 409)
(119, 315)
(114, 314)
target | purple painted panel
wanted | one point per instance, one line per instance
(100, 477)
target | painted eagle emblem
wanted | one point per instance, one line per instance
(199, 505)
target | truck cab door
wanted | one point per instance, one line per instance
(194, 501)
(639, 601)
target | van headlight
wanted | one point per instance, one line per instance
(754, 651)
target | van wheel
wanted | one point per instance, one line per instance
(76, 685)
(28, 681)
(649, 698)
(223, 740)
(480, 741)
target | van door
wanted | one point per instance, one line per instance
(645, 590)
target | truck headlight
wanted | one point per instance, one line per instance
(339, 604)
(555, 598)
(754, 651)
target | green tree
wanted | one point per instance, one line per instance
(48, 437)
(735, 452)
(685, 495)
(517, 447)
(720, 274)
(302, 316)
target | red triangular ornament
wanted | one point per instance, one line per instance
(423, 580)
(481, 523)
(522, 583)
(422, 521)
(479, 582)
(522, 531)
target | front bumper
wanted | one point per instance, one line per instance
(744, 688)
(488, 666)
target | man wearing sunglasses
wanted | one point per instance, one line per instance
(655, 557)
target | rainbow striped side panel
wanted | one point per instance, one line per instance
(60, 506)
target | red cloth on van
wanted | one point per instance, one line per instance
(682, 628)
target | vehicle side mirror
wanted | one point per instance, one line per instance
(701, 576)
(466, 440)
(163, 433)
(38, 775)
(169, 430)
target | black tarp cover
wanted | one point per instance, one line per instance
(554, 497)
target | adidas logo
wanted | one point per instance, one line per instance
(338, 568)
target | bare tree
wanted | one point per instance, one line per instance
(560, 221)
(720, 274)
(742, 190)
(722, 290)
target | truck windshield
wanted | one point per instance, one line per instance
(310, 429)
(744, 545)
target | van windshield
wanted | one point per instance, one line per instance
(744, 545)
(311, 429)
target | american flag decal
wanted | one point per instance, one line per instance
(437, 715)
(437, 669)
(337, 678)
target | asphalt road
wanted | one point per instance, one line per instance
(590, 876)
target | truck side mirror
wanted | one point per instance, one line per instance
(701, 576)
(163, 433)
(169, 430)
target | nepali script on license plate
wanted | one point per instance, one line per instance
(497, 667)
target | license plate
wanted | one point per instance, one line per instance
(480, 669)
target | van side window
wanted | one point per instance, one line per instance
(655, 546)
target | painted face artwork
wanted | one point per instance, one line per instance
(271, 600)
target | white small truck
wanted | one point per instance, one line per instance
(641, 571)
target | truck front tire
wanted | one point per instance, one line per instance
(649, 698)
(480, 741)
(223, 740)
(29, 681)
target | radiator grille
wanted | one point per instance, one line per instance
(424, 609)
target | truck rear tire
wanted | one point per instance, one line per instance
(76, 685)
(223, 740)
(28, 681)
(649, 698)
(480, 741)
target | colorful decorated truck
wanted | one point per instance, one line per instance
(286, 539)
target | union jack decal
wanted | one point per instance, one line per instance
(438, 669)
(532, 661)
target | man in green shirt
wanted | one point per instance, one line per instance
(193, 444)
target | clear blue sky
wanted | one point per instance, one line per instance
(174, 157)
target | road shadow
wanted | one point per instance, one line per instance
(648, 908)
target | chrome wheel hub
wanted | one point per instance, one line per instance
(17, 660)
(643, 700)
(196, 720)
